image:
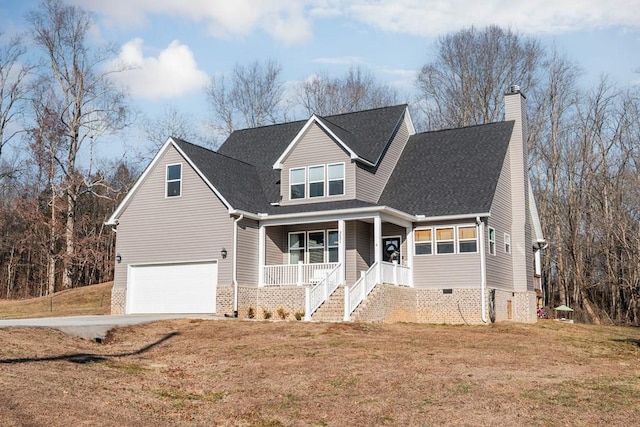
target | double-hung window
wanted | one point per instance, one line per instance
(423, 242)
(297, 182)
(296, 247)
(467, 241)
(492, 241)
(316, 247)
(332, 245)
(507, 243)
(445, 240)
(335, 175)
(316, 181)
(174, 180)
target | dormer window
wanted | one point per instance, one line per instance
(297, 182)
(174, 180)
(316, 181)
(335, 174)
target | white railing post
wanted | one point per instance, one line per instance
(364, 286)
(307, 303)
(347, 304)
(300, 265)
(379, 273)
(326, 286)
(395, 273)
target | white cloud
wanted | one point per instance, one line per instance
(171, 74)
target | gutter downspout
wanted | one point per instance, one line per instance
(483, 270)
(234, 274)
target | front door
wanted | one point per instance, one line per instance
(391, 249)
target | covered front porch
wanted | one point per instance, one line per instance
(321, 254)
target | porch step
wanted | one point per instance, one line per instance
(332, 310)
(357, 315)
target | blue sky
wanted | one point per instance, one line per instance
(178, 44)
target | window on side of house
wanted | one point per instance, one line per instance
(332, 245)
(316, 181)
(296, 247)
(174, 180)
(467, 239)
(445, 240)
(335, 175)
(507, 243)
(316, 247)
(423, 242)
(492, 241)
(297, 183)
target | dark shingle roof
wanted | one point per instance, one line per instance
(449, 172)
(237, 181)
(318, 207)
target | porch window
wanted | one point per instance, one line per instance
(492, 241)
(335, 174)
(296, 247)
(445, 240)
(423, 242)
(316, 247)
(467, 241)
(316, 181)
(332, 245)
(174, 180)
(507, 243)
(297, 182)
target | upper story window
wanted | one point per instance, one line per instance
(445, 240)
(316, 181)
(423, 242)
(297, 180)
(335, 174)
(492, 241)
(507, 243)
(174, 180)
(467, 241)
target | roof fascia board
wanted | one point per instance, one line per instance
(307, 125)
(420, 218)
(116, 214)
(409, 121)
(535, 218)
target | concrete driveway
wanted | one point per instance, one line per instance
(96, 327)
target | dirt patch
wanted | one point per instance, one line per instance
(249, 373)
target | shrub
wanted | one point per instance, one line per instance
(299, 315)
(251, 313)
(266, 313)
(282, 313)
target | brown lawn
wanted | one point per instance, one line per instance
(197, 372)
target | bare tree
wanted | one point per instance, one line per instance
(356, 90)
(90, 104)
(253, 97)
(466, 82)
(14, 72)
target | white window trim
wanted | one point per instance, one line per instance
(337, 246)
(304, 246)
(167, 180)
(507, 243)
(416, 242)
(344, 179)
(298, 183)
(492, 241)
(325, 187)
(435, 238)
(459, 240)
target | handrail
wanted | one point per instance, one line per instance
(316, 295)
(295, 274)
(358, 292)
(395, 274)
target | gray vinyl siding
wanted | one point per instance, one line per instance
(370, 182)
(247, 267)
(275, 245)
(314, 148)
(157, 229)
(359, 249)
(447, 270)
(499, 267)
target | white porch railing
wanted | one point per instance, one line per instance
(394, 274)
(316, 295)
(383, 272)
(296, 274)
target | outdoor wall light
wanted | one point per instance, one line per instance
(118, 258)
(223, 253)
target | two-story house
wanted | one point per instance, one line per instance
(347, 217)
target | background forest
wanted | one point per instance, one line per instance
(57, 96)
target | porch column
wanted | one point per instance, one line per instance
(377, 246)
(409, 253)
(261, 254)
(342, 250)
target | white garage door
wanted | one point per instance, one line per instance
(172, 288)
